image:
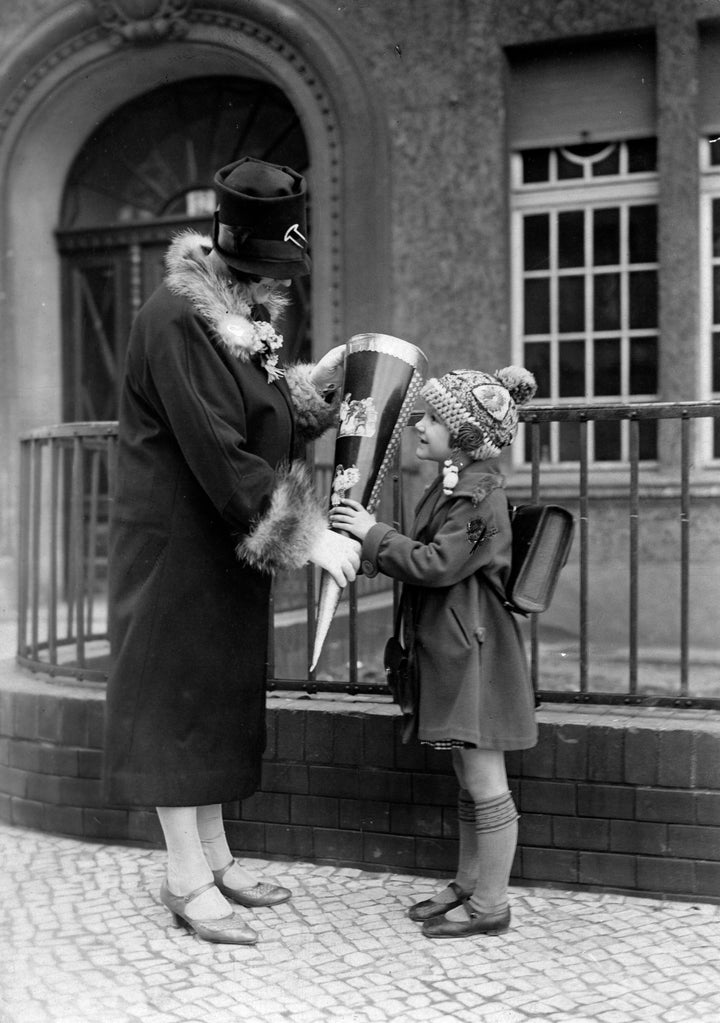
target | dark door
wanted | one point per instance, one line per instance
(143, 175)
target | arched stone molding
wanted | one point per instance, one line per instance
(71, 72)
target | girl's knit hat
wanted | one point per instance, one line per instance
(480, 409)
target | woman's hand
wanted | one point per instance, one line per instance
(338, 555)
(328, 372)
(353, 518)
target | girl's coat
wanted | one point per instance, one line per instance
(465, 648)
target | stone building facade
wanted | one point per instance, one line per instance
(496, 181)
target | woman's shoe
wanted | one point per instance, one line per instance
(226, 930)
(430, 908)
(476, 923)
(261, 894)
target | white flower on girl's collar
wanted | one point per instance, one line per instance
(252, 339)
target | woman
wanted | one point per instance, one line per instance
(210, 499)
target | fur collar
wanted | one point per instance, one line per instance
(225, 303)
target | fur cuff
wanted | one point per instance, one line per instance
(313, 414)
(284, 536)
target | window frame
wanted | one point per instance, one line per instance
(554, 197)
(709, 192)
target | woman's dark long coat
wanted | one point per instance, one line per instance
(204, 444)
(465, 648)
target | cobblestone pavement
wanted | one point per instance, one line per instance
(84, 939)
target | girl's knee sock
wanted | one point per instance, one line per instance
(496, 831)
(468, 865)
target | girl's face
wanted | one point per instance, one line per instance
(434, 437)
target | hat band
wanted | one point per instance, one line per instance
(238, 241)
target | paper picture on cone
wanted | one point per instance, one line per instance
(358, 418)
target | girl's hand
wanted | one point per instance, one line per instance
(353, 518)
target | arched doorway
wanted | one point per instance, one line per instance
(143, 175)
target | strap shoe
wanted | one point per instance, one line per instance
(430, 908)
(225, 930)
(261, 894)
(476, 923)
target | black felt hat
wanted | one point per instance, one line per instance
(259, 225)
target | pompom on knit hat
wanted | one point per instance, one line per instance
(480, 409)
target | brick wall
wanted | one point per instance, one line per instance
(624, 800)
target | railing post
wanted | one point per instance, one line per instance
(684, 553)
(634, 547)
(584, 552)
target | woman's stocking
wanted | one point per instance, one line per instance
(187, 867)
(216, 849)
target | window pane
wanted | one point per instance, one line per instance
(571, 239)
(536, 242)
(610, 165)
(643, 234)
(642, 155)
(607, 440)
(535, 165)
(716, 227)
(643, 298)
(648, 439)
(569, 442)
(571, 298)
(606, 308)
(643, 365)
(714, 151)
(716, 362)
(606, 237)
(716, 438)
(572, 369)
(607, 366)
(566, 169)
(537, 360)
(716, 294)
(537, 306)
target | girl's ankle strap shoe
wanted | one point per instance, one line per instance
(430, 908)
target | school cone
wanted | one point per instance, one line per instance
(383, 376)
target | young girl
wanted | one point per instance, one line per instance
(465, 650)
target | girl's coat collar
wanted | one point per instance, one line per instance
(477, 480)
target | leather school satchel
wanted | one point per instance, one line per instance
(542, 536)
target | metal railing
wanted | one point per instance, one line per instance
(67, 476)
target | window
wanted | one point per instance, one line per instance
(710, 269)
(582, 134)
(709, 120)
(585, 288)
